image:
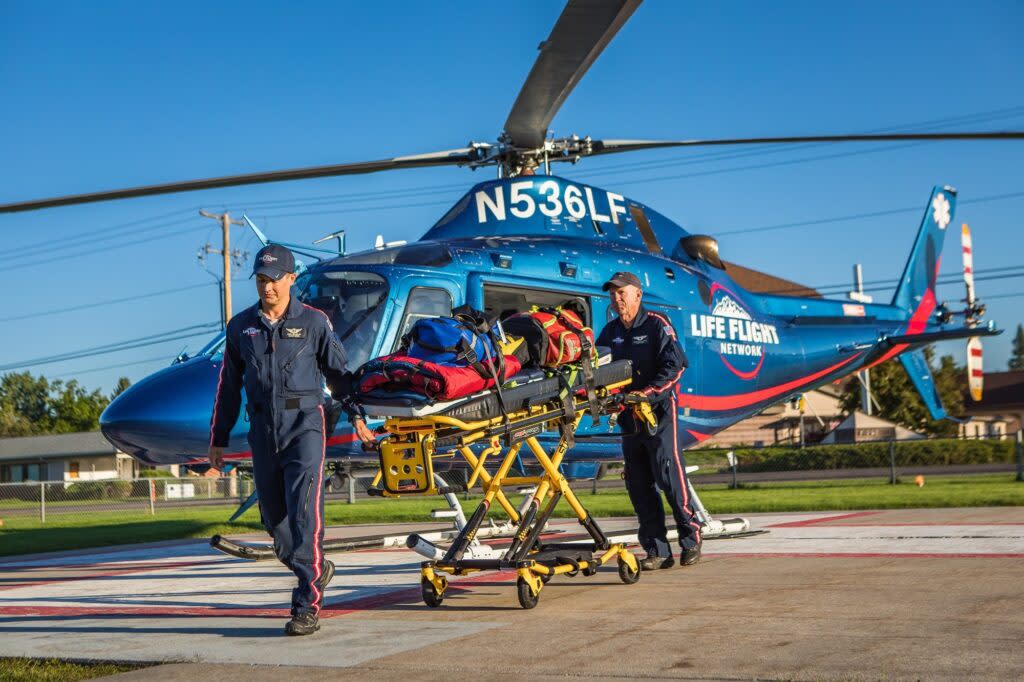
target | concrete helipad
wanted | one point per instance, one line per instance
(916, 594)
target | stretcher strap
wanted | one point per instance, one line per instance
(587, 362)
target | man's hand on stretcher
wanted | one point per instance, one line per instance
(365, 434)
(641, 406)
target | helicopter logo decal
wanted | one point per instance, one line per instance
(738, 334)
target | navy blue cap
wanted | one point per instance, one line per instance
(274, 261)
(622, 279)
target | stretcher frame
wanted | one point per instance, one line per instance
(407, 455)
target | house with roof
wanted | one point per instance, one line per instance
(68, 457)
(1000, 412)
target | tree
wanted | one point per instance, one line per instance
(34, 405)
(1017, 354)
(75, 410)
(122, 384)
(899, 402)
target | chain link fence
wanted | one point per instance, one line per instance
(47, 499)
(733, 466)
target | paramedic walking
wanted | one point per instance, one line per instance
(653, 462)
(281, 351)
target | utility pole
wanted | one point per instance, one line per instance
(864, 375)
(225, 225)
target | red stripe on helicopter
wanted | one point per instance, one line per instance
(743, 375)
(977, 373)
(918, 321)
(976, 352)
(701, 437)
(335, 440)
(728, 402)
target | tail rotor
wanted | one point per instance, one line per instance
(972, 317)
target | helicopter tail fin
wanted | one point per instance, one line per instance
(916, 290)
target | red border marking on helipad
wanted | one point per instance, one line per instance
(924, 523)
(824, 519)
(869, 555)
(386, 597)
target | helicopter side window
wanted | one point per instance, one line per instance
(424, 302)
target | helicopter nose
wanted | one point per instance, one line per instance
(165, 418)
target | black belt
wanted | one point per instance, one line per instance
(303, 402)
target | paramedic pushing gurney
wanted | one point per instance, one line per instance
(648, 340)
(280, 351)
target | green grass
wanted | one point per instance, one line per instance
(53, 670)
(21, 535)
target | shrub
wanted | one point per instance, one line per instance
(937, 452)
(99, 490)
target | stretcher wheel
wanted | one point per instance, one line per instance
(627, 574)
(527, 599)
(430, 596)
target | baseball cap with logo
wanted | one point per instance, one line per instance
(622, 279)
(274, 261)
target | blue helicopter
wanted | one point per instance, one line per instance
(529, 237)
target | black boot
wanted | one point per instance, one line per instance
(690, 556)
(302, 624)
(653, 563)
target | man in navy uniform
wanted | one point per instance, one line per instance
(652, 461)
(280, 351)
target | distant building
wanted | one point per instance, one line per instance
(1001, 409)
(66, 457)
(781, 424)
(862, 428)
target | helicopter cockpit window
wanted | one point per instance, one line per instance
(424, 302)
(355, 303)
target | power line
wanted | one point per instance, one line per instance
(885, 284)
(860, 216)
(113, 247)
(92, 235)
(156, 358)
(112, 301)
(1010, 295)
(129, 344)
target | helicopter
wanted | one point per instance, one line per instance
(530, 237)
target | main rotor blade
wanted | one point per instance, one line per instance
(581, 33)
(616, 146)
(445, 158)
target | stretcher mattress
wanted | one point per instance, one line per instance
(524, 390)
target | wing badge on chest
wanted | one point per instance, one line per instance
(294, 332)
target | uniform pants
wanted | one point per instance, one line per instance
(653, 463)
(289, 485)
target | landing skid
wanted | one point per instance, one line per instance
(426, 543)
(423, 542)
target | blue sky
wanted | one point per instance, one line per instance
(105, 95)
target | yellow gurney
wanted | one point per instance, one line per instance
(408, 452)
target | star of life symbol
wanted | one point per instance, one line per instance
(940, 210)
(267, 258)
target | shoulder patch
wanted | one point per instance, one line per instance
(664, 320)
